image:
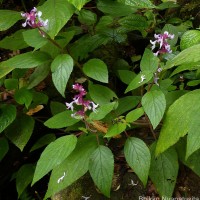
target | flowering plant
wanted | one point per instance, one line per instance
(97, 73)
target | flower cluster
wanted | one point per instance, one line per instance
(79, 100)
(33, 19)
(161, 40)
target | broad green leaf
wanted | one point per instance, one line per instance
(138, 157)
(20, 131)
(62, 39)
(134, 114)
(177, 120)
(114, 8)
(57, 107)
(39, 74)
(58, 13)
(139, 3)
(164, 171)
(4, 70)
(11, 84)
(34, 39)
(87, 17)
(149, 62)
(39, 98)
(24, 177)
(187, 56)
(193, 138)
(137, 81)
(116, 129)
(14, 42)
(126, 76)
(43, 141)
(96, 69)
(78, 3)
(190, 38)
(53, 155)
(75, 166)
(126, 103)
(154, 105)
(61, 68)
(102, 111)
(23, 96)
(184, 67)
(8, 115)
(133, 22)
(8, 18)
(193, 161)
(101, 168)
(86, 44)
(4, 147)
(96, 92)
(61, 120)
(172, 96)
(26, 60)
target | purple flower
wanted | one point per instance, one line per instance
(80, 101)
(161, 41)
(33, 19)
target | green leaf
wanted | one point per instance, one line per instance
(11, 84)
(184, 67)
(138, 157)
(86, 44)
(57, 107)
(149, 62)
(23, 96)
(43, 141)
(187, 56)
(164, 171)
(75, 166)
(134, 114)
(193, 161)
(78, 3)
(34, 39)
(139, 3)
(39, 74)
(8, 18)
(58, 13)
(96, 69)
(126, 76)
(126, 103)
(101, 168)
(61, 120)
(115, 129)
(133, 22)
(24, 177)
(20, 131)
(53, 155)
(154, 105)
(4, 147)
(8, 114)
(61, 68)
(114, 8)
(87, 17)
(26, 60)
(13, 42)
(177, 120)
(96, 92)
(137, 81)
(39, 98)
(102, 111)
(193, 138)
